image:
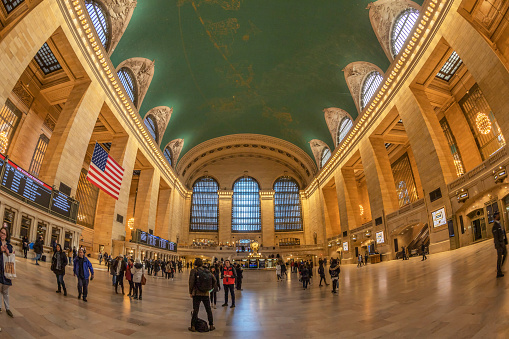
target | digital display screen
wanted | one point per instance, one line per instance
(253, 263)
(345, 246)
(61, 204)
(438, 217)
(143, 237)
(379, 237)
(152, 240)
(24, 184)
(172, 246)
(163, 244)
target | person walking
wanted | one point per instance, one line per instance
(283, 271)
(25, 246)
(229, 275)
(84, 271)
(69, 255)
(240, 276)
(129, 277)
(5, 284)
(137, 272)
(201, 281)
(500, 240)
(278, 271)
(321, 272)
(304, 274)
(334, 275)
(366, 258)
(100, 258)
(359, 260)
(38, 248)
(119, 268)
(58, 263)
(217, 288)
(423, 249)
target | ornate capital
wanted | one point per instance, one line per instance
(143, 70)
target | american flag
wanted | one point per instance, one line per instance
(104, 172)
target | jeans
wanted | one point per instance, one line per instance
(239, 283)
(196, 308)
(322, 277)
(119, 280)
(229, 287)
(37, 258)
(83, 287)
(501, 255)
(4, 291)
(213, 297)
(335, 284)
(25, 252)
(305, 282)
(131, 287)
(60, 281)
(137, 290)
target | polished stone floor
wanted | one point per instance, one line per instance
(452, 294)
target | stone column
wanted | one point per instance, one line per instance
(146, 202)
(225, 215)
(66, 150)
(267, 207)
(348, 199)
(163, 214)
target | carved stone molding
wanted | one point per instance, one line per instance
(161, 115)
(382, 14)
(175, 147)
(333, 117)
(317, 147)
(355, 73)
(120, 13)
(143, 70)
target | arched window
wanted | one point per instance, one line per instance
(127, 79)
(246, 211)
(325, 156)
(167, 154)
(100, 21)
(402, 27)
(344, 127)
(370, 85)
(152, 127)
(204, 205)
(287, 209)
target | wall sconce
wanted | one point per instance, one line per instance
(499, 174)
(462, 195)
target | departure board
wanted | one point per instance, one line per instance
(18, 181)
(143, 237)
(62, 204)
(152, 240)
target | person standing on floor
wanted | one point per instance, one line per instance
(278, 271)
(240, 276)
(38, 248)
(58, 263)
(129, 277)
(334, 275)
(423, 249)
(366, 258)
(229, 275)
(359, 260)
(119, 269)
(84, 271)
(304, 275)
(25, 244)
(217, 288)
(500, 239)
(5, 284)
(321, 272)
(137, 272)
(201, 281)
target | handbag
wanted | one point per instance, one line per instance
(143, 279)
(9, 266)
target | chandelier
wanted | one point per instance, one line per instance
(483, 123)
(4, 141)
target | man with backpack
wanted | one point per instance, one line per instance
(201, 282)
(229, 274)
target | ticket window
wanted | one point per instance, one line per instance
(41, 231)
(67, 240)
(9, 220)
(26, 224)
(55, 234)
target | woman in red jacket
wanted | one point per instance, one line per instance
(129, 277)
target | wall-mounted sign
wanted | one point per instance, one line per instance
(438, 217)
(345, 246)
(499, 174)
(380, 237)
(462, 196)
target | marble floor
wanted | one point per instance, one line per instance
(452, 294)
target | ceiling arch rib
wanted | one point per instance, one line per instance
(333, 117)
(355, 74)
(143, 72)
(383, 14)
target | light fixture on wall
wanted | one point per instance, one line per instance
(130, 223)
(499, 174)
(361, 209)
(4, 141)
(462, 195)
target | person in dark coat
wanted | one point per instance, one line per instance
(119, 267)
(213, 294)
(84, 271)
(500, 239)
(25, 245)
(5, 248)
(238, 281)
(199, 296)
(334, 274)
(304, 275)
(321, 272)
(38, 248)
(423, 249)
(58, 263)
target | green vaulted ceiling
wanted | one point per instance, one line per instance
(250, 66)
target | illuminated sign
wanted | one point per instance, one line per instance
(380, 237)
(438, 217)
(345, 246)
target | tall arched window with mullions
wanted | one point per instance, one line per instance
(287, 207)
(168, 155)
(100, 20)
(151, 124)
(402, 27)
(325, 156)
(127, 79)
(369, 87)
(344, 127)
(246, 209)
(204, 205)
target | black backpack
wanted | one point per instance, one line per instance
(204, 280)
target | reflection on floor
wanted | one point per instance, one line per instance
(452, 294)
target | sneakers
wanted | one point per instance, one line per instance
(224, 305)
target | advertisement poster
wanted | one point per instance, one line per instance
(438, 217)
